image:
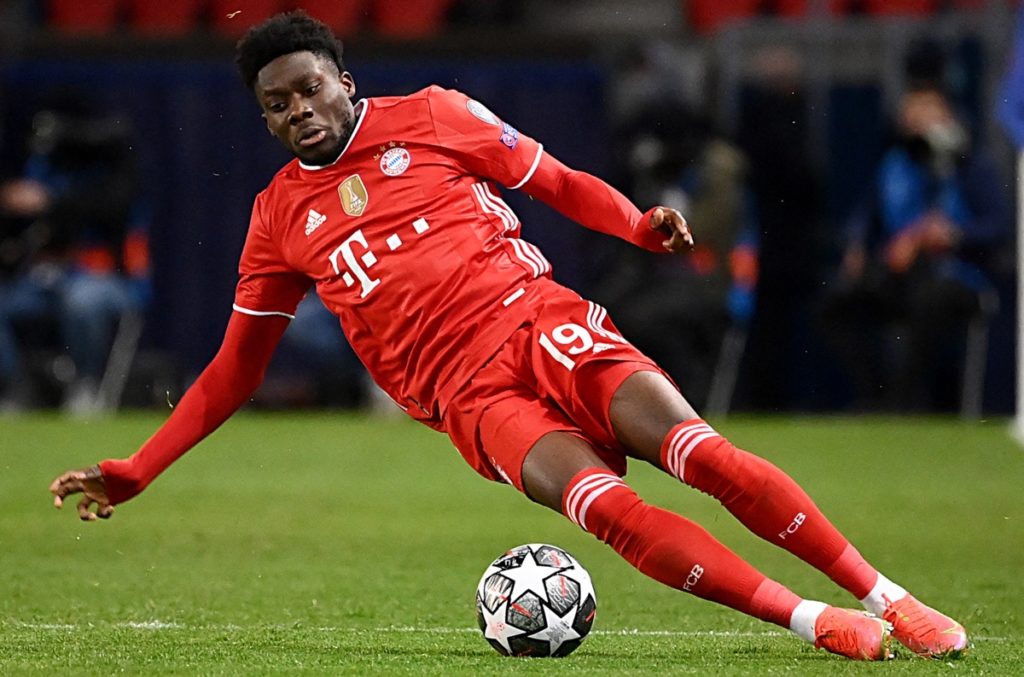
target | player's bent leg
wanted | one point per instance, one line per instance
(563, 472)
(768, 502)
(647, 414)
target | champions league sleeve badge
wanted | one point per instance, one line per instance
(509, 135)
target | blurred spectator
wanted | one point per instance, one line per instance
(73, 251)
(916, 267)
(679, 311)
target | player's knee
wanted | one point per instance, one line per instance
(693, 448)
(601, 503)
(552, 463)
(643, 408)
(700, 457)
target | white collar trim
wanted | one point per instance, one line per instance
(362, 110)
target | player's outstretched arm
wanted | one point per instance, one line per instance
(226, 383)
(591, 202)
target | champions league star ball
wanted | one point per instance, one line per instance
(535, 600)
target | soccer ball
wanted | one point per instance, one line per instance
(535, 600)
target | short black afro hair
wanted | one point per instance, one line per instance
(284, 34)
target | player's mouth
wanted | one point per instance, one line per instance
(310, 137)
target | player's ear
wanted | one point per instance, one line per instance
(347, 83)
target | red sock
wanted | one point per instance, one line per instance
(671, 549)
(766, 500)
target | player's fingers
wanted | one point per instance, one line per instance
(64, 485)
(680, 241)
(686, 235)
(57, 484)
(84, 513)
(677, 220)
(105, 511)
(675, 244)
(672, 223)
(657, 219)
(681, 229)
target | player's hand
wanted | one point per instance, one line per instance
(89, 483)
(671, 223)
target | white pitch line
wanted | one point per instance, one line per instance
(151, 625)
(631, 632)
(624, 632)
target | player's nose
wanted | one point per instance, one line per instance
(299, 113)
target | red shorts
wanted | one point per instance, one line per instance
(556, 373)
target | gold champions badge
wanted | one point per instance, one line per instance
(353, 195)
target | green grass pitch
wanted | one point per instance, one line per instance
(334, 544)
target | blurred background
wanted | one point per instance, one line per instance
(839, 161)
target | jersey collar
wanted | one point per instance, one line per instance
(362, 109)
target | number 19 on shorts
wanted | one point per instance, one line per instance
(570, 340)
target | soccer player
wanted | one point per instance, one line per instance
(390, 208)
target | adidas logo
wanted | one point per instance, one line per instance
(314, 221)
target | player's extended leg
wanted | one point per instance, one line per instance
(656, 423)
(563, 472)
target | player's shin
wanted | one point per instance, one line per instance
(672, 549)
(765, 500)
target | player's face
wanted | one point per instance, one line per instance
(307, 105)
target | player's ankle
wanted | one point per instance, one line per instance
(805, 618)
(883, 593)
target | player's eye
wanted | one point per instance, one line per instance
(312, 89)
(276, 107)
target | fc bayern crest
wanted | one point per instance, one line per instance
(395, 161)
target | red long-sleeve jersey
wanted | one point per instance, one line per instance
(409, 243)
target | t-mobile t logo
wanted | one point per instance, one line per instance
(368, 259)
(358, 267)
